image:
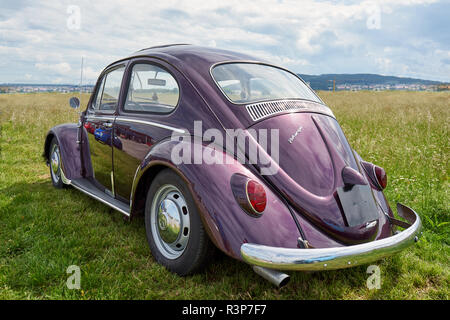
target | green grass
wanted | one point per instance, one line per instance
(44, 230)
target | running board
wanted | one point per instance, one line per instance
(87, 187)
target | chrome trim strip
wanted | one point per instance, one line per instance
(112, 184)
(134, 186)
(101, 200)
(126, 119)
(92, 117)
(150, 123)
(334, 258)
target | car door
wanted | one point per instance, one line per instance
(99, 126)
(152, 94)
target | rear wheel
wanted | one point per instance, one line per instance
(55, 164)
(174, 229)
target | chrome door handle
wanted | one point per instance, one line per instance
(107, 124)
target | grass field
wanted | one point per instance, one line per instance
(44, 230)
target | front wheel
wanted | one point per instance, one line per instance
(55, 164)
(175, 232)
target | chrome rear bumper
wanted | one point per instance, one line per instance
(334, 258)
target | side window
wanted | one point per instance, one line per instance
(98, 97)
(152, 89)
(108, 93)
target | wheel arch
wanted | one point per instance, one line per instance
(224, 220)
(139, 192)
(48, 141)
(140, 188)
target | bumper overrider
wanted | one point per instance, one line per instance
(338, 257)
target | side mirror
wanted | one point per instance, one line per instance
(74, 102)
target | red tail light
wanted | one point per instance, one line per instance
(381, 177)
(377, 175)
(256, 196)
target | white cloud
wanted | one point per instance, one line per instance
(59, 68)
(90, 74)
(307, 36)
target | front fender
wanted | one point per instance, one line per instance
(227, 224)
(66, 135)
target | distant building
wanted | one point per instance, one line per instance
(30, 88)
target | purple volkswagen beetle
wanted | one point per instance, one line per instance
(219, 149)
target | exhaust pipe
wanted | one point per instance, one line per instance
(279, 279)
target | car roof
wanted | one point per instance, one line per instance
(195, 56)
(193, 53)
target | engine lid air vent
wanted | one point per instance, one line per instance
(261, 110)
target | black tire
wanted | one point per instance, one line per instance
(198, 249)
(55, 175)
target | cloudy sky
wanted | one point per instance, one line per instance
(43, 41)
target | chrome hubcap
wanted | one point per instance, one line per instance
(55, 163)
(169, 220)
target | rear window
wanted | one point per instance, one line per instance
(251, 82)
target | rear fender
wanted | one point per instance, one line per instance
(226, 223)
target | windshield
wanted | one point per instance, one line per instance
(251, 82)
